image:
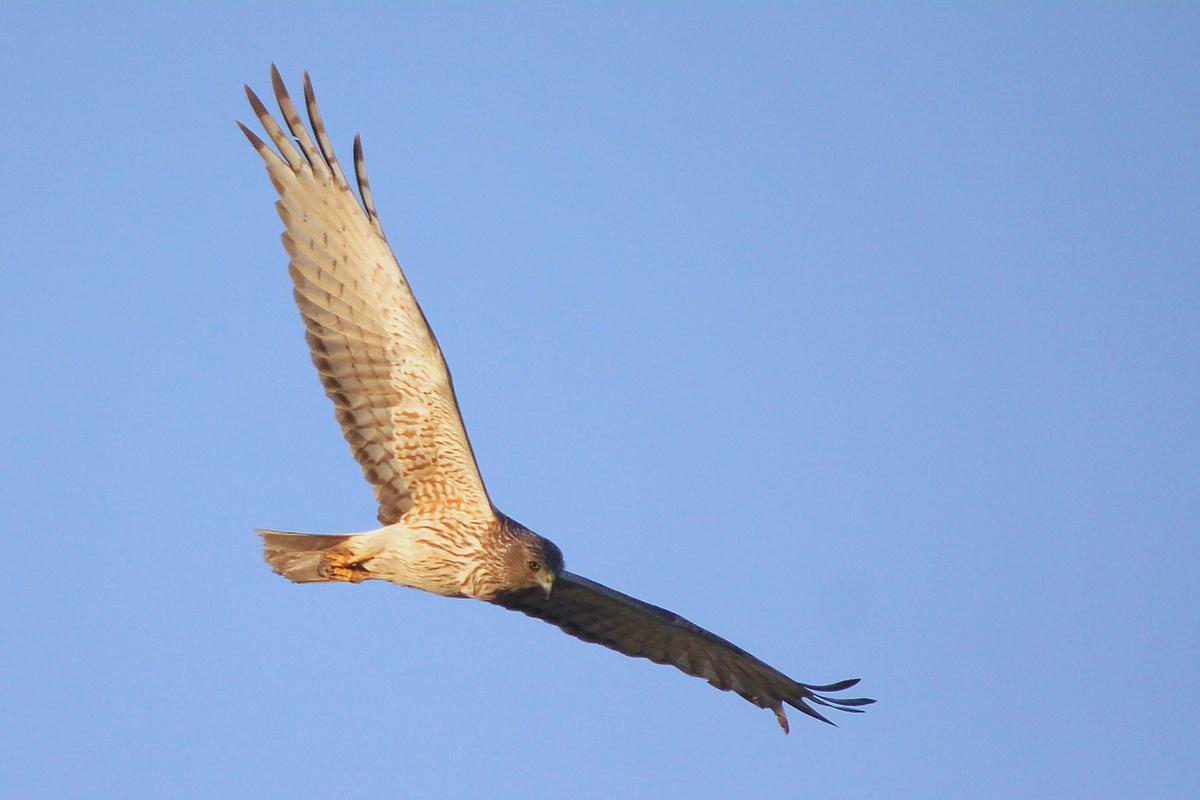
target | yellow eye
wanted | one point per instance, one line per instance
(534, 566)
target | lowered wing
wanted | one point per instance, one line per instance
(595, 613)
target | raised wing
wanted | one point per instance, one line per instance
(376, 355)
(595, 613)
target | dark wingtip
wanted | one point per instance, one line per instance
(260, 110)
(278, 85)
(254, 140)
(364, 185)
(833, 687)
(812, 712)
(816, 695)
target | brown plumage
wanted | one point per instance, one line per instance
(393, 396)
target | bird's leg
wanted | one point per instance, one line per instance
(344, 566)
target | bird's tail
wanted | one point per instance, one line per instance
(315, 557)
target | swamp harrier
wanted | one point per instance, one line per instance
(382, 368)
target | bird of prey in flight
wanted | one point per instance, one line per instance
(381, 366)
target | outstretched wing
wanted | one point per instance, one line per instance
(376, 355)
(595, 613)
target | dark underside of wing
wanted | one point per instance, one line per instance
(595, 613)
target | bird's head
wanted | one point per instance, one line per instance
(533, 561)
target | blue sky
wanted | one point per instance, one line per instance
(865, 336)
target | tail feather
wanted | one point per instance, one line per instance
(299, 556)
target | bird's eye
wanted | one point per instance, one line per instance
(534, 566)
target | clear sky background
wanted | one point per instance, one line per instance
(864, 336)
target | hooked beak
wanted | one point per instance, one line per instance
(545, 579)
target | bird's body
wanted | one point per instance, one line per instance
(382, 368)
(448, 553)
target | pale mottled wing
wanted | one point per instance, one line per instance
(375, 353)
(595, 613)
